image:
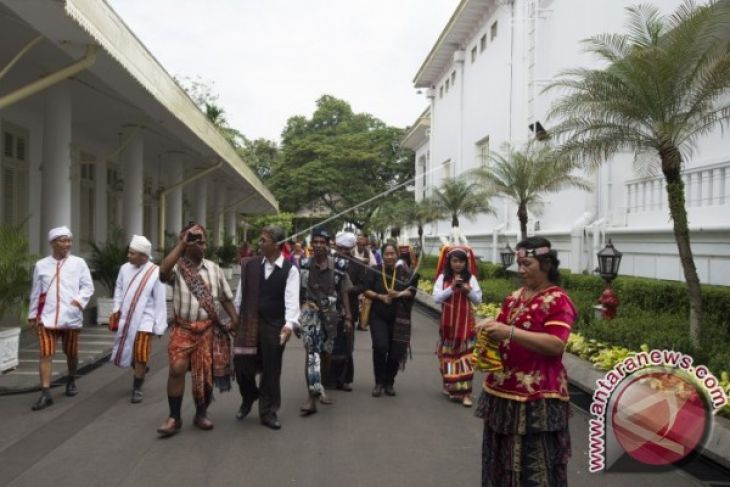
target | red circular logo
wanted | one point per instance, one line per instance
(659, 418)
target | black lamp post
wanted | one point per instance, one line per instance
(507, 255)
(609, 260)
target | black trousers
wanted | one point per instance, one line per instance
(342, 366)
(386, 360)
(267, 361)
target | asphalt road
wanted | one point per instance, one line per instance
(417, 438)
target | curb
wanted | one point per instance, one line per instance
(583, 375)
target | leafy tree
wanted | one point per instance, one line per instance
(665, 84)
(524, 176)
(283, 219)
(460, 198)
(347, 162)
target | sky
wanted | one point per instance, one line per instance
(269, 60)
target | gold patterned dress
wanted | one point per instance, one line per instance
(525, 406)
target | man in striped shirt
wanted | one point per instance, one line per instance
(62, 287)
(198, 285)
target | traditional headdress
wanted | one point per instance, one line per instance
(448, 250)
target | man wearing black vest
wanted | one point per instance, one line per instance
(268, 301)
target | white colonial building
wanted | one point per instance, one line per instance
(484, 79)
(96, 134)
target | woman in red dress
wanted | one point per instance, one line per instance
(456, 288)
(525, 406)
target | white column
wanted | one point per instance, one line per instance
(100, 201)
(56, 165)
(201, 201)
(218, 220)
(231, 223)
(75, 175)
(132, 159)
(155, 213)
(174, 216)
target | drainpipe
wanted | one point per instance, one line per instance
(164, 192)
(576, 240)
(597, 228)
(495, 241)
(20, 54)
(49, 80)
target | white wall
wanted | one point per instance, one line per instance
(623, 198)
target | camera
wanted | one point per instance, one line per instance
(459, 284)
(192, 237)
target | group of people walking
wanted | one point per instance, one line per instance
(524, 403)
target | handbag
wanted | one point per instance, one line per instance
(486, 356)
(114, 320)
(365, 305)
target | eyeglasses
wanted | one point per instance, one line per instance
(521, 253)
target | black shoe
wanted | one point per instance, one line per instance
(243, 410)
(389, 391)
(347, 386)
(136, 396)
(42, 403)
(71, 389)
(271, 422)
(377, 390)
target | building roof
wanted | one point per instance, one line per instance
(418, 133)
(457, 32)
(125, 65)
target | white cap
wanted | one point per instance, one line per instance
(140, 244)
(346, 239)
(57, 232)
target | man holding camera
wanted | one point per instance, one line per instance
(198, 340)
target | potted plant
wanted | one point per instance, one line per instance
(105, 261)
(227, 254)
(15, 281)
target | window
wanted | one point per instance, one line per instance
(441, 91)
(113, 207)
(8, 144)
(447, 85)
(453, 78)
(483, 43)
(473, 54)
(482, 152)
(88, 199)
(424, 169)
(493, 31)
(446, 172)
(14, 176)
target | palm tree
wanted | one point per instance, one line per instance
(665, 84)
(458, 197)
(523, 176)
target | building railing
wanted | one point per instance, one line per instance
(704, 186)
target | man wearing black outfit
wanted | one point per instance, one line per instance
(268, 301)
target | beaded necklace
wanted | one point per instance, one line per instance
(385, 282)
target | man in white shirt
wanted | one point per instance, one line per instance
(62, 287)
(267, 300)
(140, 310)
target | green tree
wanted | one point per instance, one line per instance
(665, 84)
(260, 154)
(460, 198)
(524, 176)
(343, 161)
